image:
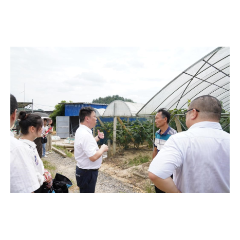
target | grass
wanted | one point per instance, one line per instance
(64, 150)
(149, 188)
(138, 160)
(51, 168)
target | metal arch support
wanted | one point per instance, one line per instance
(194, 76)
(216, 68)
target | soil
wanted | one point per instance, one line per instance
(119, 168)
(115, 173)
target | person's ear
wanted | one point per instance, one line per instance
(194, 114)
(31, 129)
(14, 115)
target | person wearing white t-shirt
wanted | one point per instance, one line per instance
(86, 151)
(198, 158)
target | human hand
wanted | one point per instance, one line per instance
(104, 147)
(100, 135)
(47, 178)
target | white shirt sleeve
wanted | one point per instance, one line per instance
(167, 160)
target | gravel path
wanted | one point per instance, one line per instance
(105, 183)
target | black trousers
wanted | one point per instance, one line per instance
(157, 190)
(86, 179)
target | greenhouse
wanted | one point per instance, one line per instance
(99, 111)
(122, 109)
(208, 76)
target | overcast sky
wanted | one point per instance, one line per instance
(82, 74)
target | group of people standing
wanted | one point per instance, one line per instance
(44, 148)
(193, 161)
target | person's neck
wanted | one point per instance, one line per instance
(11, 125)
(28, 137)
(85, 124)
(164, 128)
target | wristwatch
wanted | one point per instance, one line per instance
(98, 137)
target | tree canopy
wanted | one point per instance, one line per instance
(58, 111)
(109, 99)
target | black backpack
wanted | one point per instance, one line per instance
(60, 185)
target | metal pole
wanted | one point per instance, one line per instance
(114, 134)
(32, 105)
(114, 130)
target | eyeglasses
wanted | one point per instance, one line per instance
(191, 110)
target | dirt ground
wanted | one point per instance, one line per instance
(119, 167)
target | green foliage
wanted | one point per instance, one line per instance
(149, 188)
(49, 167)
(109, 99)
(58, 111)
(225, 123)
(182, 118)
(138, 160)
(141, 132)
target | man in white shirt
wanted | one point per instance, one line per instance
(198, 158)
(23, 177)
(86, 151)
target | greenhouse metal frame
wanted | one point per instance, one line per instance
(208, 76)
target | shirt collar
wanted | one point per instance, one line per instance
(31, 143)
(85, 127)
(207, 124)
(165, 133)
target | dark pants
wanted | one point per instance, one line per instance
(86, 180)
(158, 190)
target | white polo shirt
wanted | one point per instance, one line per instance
(85, 146)
(199, 159)
(23, 178)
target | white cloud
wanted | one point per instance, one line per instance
(83, 74)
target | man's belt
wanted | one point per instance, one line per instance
(88, 169)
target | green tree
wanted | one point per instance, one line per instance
(109, 99)
(58, 111)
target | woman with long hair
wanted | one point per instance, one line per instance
(31, 128)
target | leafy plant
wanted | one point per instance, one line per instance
(58, 111)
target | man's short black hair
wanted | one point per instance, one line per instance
(165, 113)
(13, 104)
(85, 111)
(209, 107)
